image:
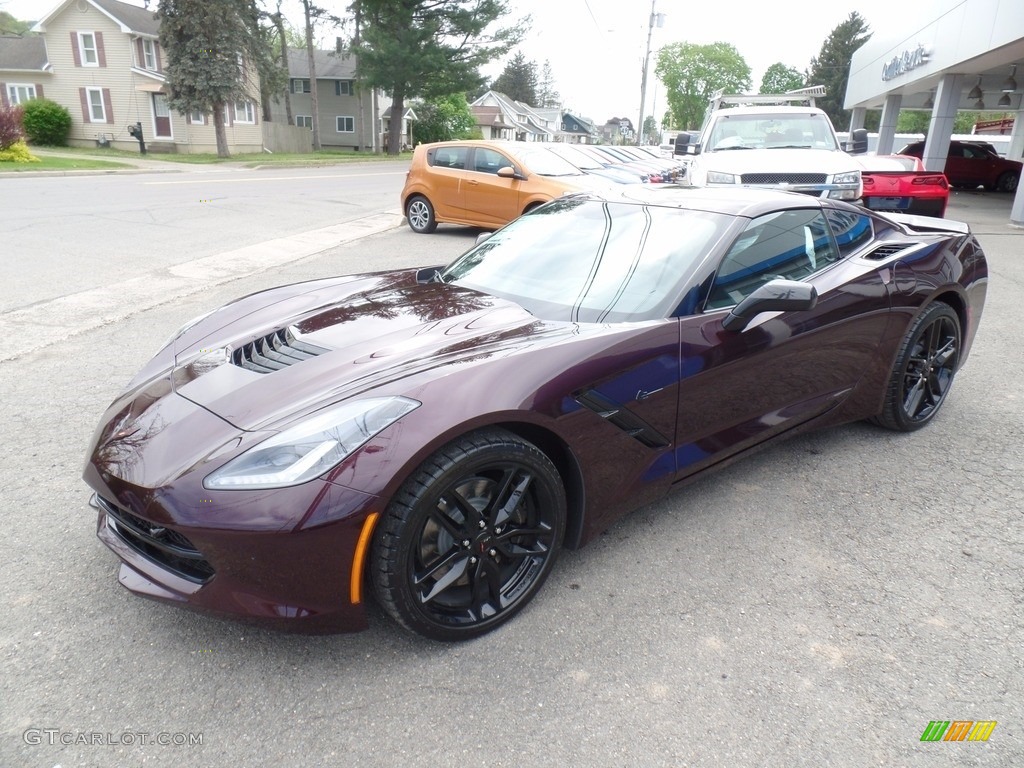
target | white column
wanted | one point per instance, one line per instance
(887, 126)
(857, 115)
(947, 102)
(1015, 152)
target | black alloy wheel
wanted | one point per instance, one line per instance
(420, 214)
(470, 537)
(924, 370)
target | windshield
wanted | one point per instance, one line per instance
(544, 162)
(585, 260)
(771, 131)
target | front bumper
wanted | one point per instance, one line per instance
(294, 580)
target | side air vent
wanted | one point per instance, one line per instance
(274, 351)
(885, 251)
(621, 417)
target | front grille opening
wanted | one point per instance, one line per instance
(274, 351)
(164, 546)
(783, 178)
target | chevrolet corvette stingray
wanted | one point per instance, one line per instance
(436, 436)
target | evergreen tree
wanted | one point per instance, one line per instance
(518, 80)
(547, 96)
(209, 46)
(428, 48)
(831, 67)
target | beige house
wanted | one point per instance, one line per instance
(106, 67)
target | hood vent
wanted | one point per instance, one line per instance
(885, 251)
(274, 351)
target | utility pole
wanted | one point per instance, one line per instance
(658, 19)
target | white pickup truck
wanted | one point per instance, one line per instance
(764, 140)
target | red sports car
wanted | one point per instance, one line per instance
(973, 163)
(900, 183)
(439, 435)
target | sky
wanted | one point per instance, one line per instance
(596, 47)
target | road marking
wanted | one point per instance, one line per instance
(247, 179)
(31, 328)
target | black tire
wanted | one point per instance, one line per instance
(420, 215)
(924, 370)
(470, 537)
(1007, 182)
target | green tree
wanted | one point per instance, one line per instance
(518, 80)
(691, 73)
(11, 26)
(831, 67)
(913, 121)
(547, 96)
(205, 41)
(444, 118)
(779, 78)
(652, 135)
(429, 48)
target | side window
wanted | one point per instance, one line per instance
(787, 244)
(450, 157)
(488, 161)
(852, 231)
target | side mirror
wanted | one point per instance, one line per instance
(775, 296)
(508, 172)
(482, 236)
(687, 143)
(859, 141)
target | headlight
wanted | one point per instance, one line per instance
(714, 177)
(311, 447)
(853, 177)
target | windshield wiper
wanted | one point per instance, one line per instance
(791, 146)
(729, 149)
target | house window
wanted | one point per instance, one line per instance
(149, 54)
(197, 118)
(19, 94)
(342, 87)
(87, 49)
(305, 121)
(245, 112)
(94, 97)
(300, 85)
(346, 124)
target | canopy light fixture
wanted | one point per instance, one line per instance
(975, 91)
(1009, 84)
(979, 104)
(930, 101)
(1005, 100)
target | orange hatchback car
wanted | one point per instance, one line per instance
(485, 183)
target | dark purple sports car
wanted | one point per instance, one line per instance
(437, 436)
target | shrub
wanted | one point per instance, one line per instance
(17, 153)
(46, 122)
(10, 126)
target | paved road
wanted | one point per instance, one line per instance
(71, 233)
(814, 605)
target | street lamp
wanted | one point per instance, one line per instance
(659, 19)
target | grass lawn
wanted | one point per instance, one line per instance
(51, 163)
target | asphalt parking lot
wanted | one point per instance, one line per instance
(818, 604)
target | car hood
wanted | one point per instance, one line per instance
(740, 161)
(381, 330)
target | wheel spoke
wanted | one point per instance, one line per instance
(945, 353)
(509, 496)
(486, 590)
(457, 532)
(458, 560)
(469, 512)
(912, 401)
(932, 345)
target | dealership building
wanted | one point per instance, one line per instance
(956, 55)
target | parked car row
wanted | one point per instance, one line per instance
(471, 182)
